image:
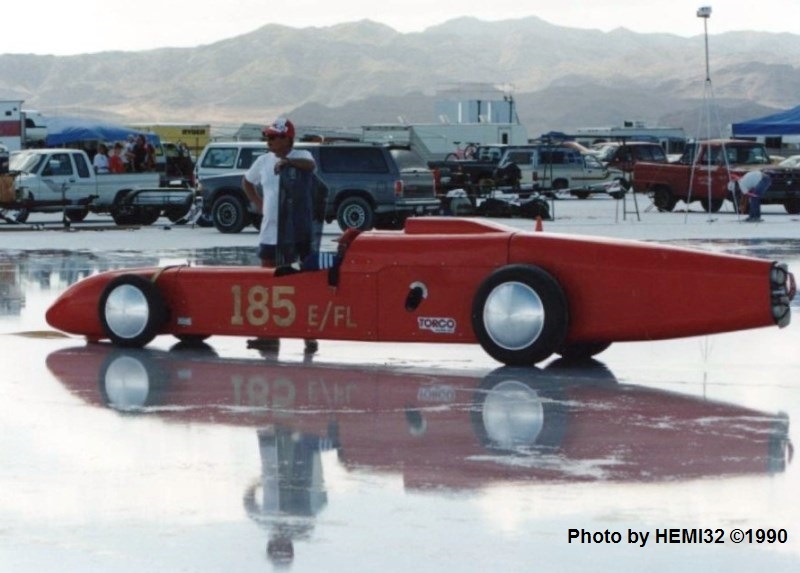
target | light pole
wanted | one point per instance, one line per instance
(704, 12)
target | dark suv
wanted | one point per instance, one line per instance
(365, 190)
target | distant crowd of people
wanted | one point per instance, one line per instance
(134, 155)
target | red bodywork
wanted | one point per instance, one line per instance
(615, 290)
(438, 430)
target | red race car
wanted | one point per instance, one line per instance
(521, 295)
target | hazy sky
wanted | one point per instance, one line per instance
(83, 26)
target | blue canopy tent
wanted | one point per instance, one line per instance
(65, 130)
(775, 125)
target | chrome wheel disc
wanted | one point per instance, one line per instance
(513, 315)
(127, 311)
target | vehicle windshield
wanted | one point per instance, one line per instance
(592, 162)
(25, 161)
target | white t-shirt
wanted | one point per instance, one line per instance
(100, 163)
(749, 181)
(262, 172)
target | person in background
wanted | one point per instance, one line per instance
(127, 153)
(754, 184)
(140, 154)
(115, 162)
(100, 161)
(285, 175)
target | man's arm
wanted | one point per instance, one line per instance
(252, 194)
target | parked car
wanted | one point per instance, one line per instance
(218, 157)
(366, 190)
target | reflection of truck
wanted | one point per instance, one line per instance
(52, 180)
(704, 171)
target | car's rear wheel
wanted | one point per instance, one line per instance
(520, 315)
(355, 213)
(711, 206)
(663, 199)
(792, 206)
(77, 215)
(131, 310)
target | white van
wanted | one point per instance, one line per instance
(221, 157)
(562, 168)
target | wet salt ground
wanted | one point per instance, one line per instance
(386, 457)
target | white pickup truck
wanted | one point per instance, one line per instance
(56, 180)
(557, 168)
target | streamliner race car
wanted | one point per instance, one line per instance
(522, 296)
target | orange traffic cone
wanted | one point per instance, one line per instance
(538, 223)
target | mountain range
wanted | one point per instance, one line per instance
(358, 73)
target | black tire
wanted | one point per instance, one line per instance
(520, 315)
(124, 216)
(147, 215)
(711, 206)
(122, 299)
(581, 194)
(451, 157)
(355, 213)
(792, 206)
(176, 214)
(582, 350)
(204, 220)
(77, 215)
(229, 214)
(192, 339)
(663, 199)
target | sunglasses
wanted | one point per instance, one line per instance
(273, 137)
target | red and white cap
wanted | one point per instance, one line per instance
(280, 126)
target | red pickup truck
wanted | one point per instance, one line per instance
(704, 171)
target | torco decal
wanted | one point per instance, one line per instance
(439, 325)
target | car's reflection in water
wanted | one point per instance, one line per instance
(562, 423)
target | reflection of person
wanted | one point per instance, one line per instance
(753, 185)
(292, 486)
(100, 161)
(266, 172)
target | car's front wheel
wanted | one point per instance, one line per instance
(131, 310)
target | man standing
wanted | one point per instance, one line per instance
(754, 184)
(285, 176)
(266, 171)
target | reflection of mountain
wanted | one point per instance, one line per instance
(444, 431)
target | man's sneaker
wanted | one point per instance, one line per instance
(311, 346)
